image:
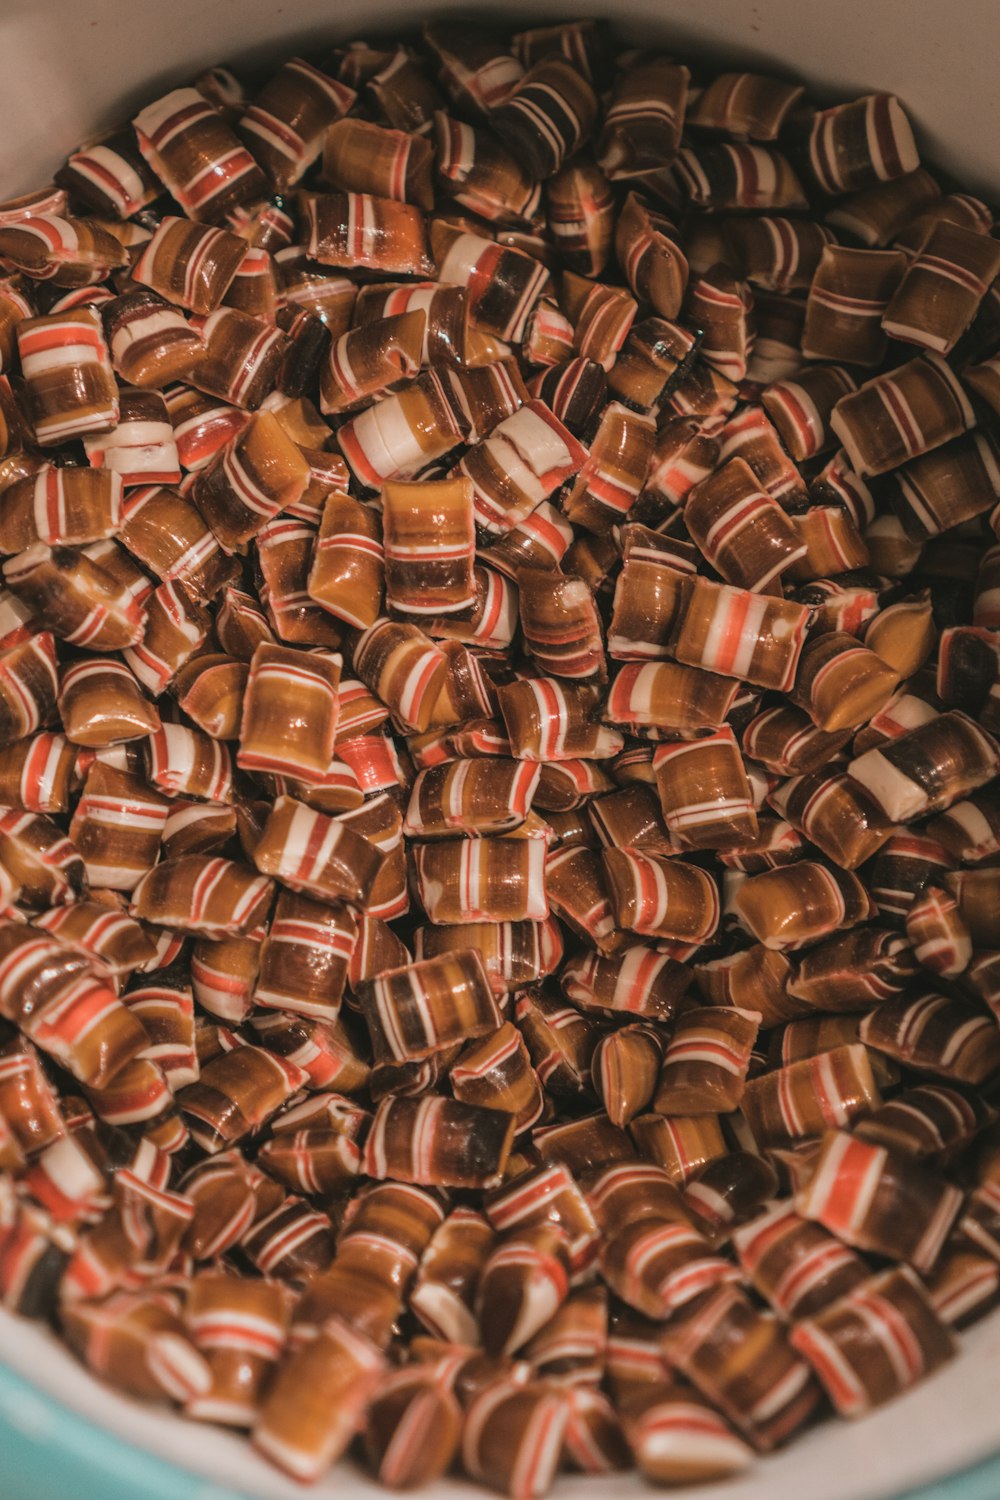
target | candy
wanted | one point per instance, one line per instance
(310, 1412)
(613, 474)
(738, 177)
(67, 368)
(875, 1341)
(503, 284)
(642, 125)
(942, 288)
(903, 415)
(742, 1361)
(751, 636)
(869, 1196)
(450, 336)
(848, 295)
(413, 1429)
(429, 544)
(239, 1326)
(678, 1438)
(190, 265)
(666, 696)
(402, 433)
(438, 1141)
(513, 1437)
(661, 898)
(241, 358)
(928, 768)
(936, 1034)
(285, 124)
(853, 970)
(546, 116)
(792, 906)
(109, 176)
(523, 461)
(580, 212)
(195, 154)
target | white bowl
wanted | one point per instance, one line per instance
(68, 69)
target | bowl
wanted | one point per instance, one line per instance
(61, 1431)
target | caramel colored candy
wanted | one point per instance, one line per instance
(789, 907)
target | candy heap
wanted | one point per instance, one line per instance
(500, 830)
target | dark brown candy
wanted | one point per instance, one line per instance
(738, 177)
(110, 176)
(811, 1095)
(237, 1092)
(704, 792)
(523, 1282)
(942, 288)
(755, 977)
(638, 980)
(874, 1342)
(856, 145)
(84, 602)
(189, 146)
(745, 106)
(318, 855)
(794, 1263)
(661, 898)
(955, 483)
(928, 768)
(669, 698)
(302, 965)
(729, 1191)
(929, 1120)
(513, 1437)
(901, 415)
(546, 116)
(880, 1201)
(853, 970)
(438, 1142)
(642, 125)
(581, 216)
(742, 1361)
(286, 123)
(428, 1006)
(706, 1061)
(936, 1034)
(848, 295)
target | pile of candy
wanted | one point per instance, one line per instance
(500, 844)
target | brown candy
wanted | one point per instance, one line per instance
(891, 1332)
(318, 855)
(873, 1199)
(438, 1142)
(741, 530)
(310, 1412)
(792, 906)
(742, 1361)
